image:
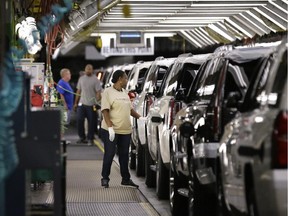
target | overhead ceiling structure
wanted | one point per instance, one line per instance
(200, 22)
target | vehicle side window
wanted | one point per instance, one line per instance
(160, 75)
(141, 78)
(130, 79)
(188, 75)
(206, 90)
(236, 82)
(149, 76)
(260, 70)
(192, 93)
(279, 83)
(171, 82)
(164, 81)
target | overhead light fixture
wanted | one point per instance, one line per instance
(103, 34)
(27, 31)
(189, 38)
(244, 31)
(221, 32)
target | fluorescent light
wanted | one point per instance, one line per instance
(221, 32)
(275, 5)
(188, 37)
(95, 34)
(228, 5)
(160, 34)
(271, 18)
(239, 27)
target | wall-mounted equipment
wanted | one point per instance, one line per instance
(130, 39)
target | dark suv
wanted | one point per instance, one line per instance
(253, 149)
(214, 99)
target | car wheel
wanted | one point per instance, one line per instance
(221, 208)
(204, 196)
(178, 203)
(140, 160)
(162, 179)
(252, 207)
(150, 175)
(132, 164)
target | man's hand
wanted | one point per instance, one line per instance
(111, 134)
(75, 107)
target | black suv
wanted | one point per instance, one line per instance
(213, 100)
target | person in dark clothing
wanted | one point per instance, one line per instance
(87, 96)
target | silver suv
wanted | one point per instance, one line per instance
(162, 113)
(215, 97)
(253, 150)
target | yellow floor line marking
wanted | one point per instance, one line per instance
(98, 144)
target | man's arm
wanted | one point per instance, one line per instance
(98, 95)
(63, 99)
(77, 98)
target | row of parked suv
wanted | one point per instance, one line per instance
(215, 142)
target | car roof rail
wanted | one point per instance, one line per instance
(159, 58)
(224, 48)
(185, 55)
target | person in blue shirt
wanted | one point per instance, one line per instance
(66, 92)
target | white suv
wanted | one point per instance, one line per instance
(142, 102)
(162, 113)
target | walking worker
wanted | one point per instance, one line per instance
(66, 92)
(116, 128)
(87, 95)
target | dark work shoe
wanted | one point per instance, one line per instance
(90, 142)
(81, 141)
(129, 183)
(105, 183)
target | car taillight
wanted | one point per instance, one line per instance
(279, 141)
(174, 107)
(149, 101)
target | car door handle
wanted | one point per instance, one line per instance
(248, 151)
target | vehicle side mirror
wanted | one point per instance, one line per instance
(180, 95)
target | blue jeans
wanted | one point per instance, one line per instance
(82, 113)
(122, 141)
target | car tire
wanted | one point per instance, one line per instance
(140, 160)
(150, 175)
(252, 207)
(162, 179)
(178, 203)
(204, 196)
(132, 164)
(221, 208)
